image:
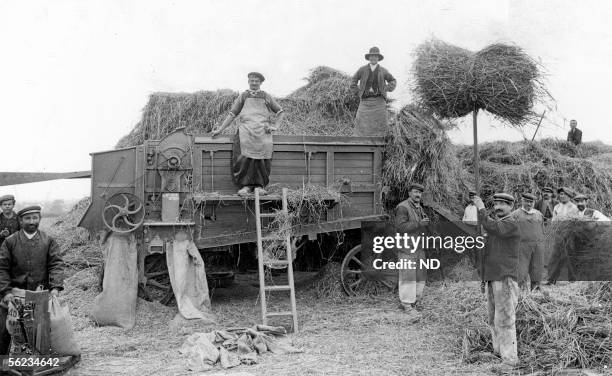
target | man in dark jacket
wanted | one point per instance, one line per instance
(574, 135)
(531, 227)
(546, 205)
(501, 260)
(9, 224)
(372, 83)
(410, 218)
(28, 259)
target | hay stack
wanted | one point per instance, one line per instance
(501, 79)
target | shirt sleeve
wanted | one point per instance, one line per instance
(391, 82)
(273, 104)
(237, 105)
(599, 216)
(55, 266)
(5, 266)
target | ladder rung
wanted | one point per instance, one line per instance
(268, 215)
(277, 288)
(276, 262)
(280, 313)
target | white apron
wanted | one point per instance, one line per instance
(255, 143)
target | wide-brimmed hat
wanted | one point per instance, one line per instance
(258, 75)
(374, 51)
(504, 197)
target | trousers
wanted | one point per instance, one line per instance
(5, 337)
(411, 282)
(502, 300)
(531, 262)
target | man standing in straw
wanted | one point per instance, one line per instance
(372, 83)
(565, 210)
(9, 223)
(410, 218)
(546, 204)
(501, 260)
(252, 153)
(531, 249)
(586, 213)
(574, 135)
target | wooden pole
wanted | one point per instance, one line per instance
(476, 153)
(539, 122)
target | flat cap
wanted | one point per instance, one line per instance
(580, 196)
(258, 75)
(504, 197)
(472, 193)
(416, 186)
(528, 196)
(566, 190)
(29, 210)
(7, 198)
(547, 189)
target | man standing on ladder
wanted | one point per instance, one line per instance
(252, 152)
(372, 83)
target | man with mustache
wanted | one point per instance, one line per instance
(546, 204)
(9, 224)
(410, 218)
(588, 213)
(28, 259)
(565, 210)
(531, 248)
(501, 261)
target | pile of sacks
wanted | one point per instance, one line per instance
(232, 347)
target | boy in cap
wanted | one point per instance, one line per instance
(546, 204)
(531, 248)
(410, 218)
(372, 82)
(565, 210)
(588, 213)
(470, 214)
(501, 259)
(252, 153)
(9, 223)
(28, 259)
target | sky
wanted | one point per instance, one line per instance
(76, 74)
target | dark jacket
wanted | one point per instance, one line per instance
(386, 82)
(501, 257)
(27, 263)
(12, 224)
(409, 217)
(574, 136)
(547, 212)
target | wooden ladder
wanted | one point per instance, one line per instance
(288, 262)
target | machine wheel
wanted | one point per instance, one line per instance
(123, 213)
(350, 273)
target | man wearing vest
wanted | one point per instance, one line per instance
(9, 223)
(546, 204)
(501, 260)
(28, 259)
(372, 83)
(531, 249)
(253, 110)
(410, 218)
(588, 213)
(565, 210)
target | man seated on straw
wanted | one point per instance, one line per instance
(410, 218)
(501, 260)
(252, 152)
(546, 204)
(565, 210)
(588, 213)
(531, 249)
(28, 259)
(574, 135)
(9, 224)
(372, 82)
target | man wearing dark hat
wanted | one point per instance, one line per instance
(501, 261)
(410, 218)
(565, 210)
(9, 223)
(574, 135)
(546, 204)
(586, 213)
(531, 249)
(372, 82)
(252, 154)
(28, 259)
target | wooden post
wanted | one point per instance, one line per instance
(539, 123)
(476, 153)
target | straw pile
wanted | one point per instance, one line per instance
(501, 79)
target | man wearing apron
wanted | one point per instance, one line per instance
(372, 82)
(252, 153)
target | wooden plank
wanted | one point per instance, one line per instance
(300, 139)
(351, 156)
(378, 166)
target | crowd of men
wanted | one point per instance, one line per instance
(29, 260)
(513, 255)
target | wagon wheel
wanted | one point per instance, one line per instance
(123, 213)
(352, 276)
